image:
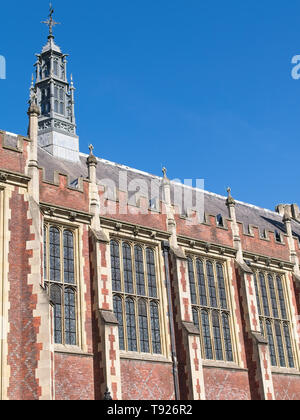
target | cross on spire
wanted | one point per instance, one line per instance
(50, 22)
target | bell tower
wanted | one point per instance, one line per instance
(55, 96)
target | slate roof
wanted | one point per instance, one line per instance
(213, 204)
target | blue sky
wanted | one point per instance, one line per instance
(202, 87)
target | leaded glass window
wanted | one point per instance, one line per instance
(60, 280)
(274, 321)
(135, 296)
(211, 313)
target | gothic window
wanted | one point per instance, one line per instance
(211, 313)
(55, 67)
(274, 321)
(59, 104)
(46, 69)
(136, 305)
(45, 94)
(60, 280)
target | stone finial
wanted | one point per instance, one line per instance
(91, 159)
(33, 101)
(72, 83)
(164, 171)
(287, 217)
(230, 200)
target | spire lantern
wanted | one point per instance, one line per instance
(55, 97)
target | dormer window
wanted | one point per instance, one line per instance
(220, 221)
(277, 236)
(153, 203)
(263, 235)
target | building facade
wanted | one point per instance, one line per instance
(117, 283)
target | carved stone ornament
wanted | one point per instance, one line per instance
(118, 226)
(3, 177)
(208, 247)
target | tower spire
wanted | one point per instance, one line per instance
(56, 99)
(50, 22)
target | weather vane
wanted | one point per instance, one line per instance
(50, 22)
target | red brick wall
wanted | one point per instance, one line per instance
(269, 248)
(11, 160)
(23, 351)
(146, 380)
(221, 384)
(209, 233)
(286, 387)
(74, 377)
(63, 196)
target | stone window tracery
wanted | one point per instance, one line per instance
(135, 297)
